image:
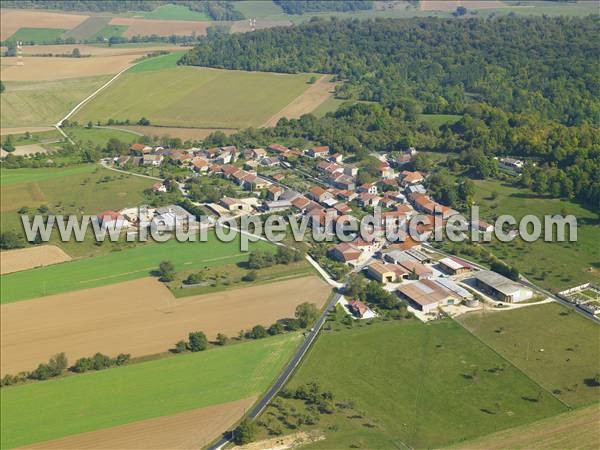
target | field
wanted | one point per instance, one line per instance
(555, 346)
(416, 385)
(16, 176)
(184, 134)
(147, 27)
(186, 430)
(53, 409)
(140, 317)
(576, 430)
(35, 138)
(98, 50)
(203, 98)
(307, 102)
(100, 136)
(437, 120)
(28, 258)
(88, 28)
(13, 19)
(174, 12)
(119, 266)
(451, 5)
(24, 150)
(39, 103)
(579, 261)
(37, 35)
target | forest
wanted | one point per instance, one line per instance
(547, 67)
(308, 6)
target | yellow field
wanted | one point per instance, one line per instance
(13, 19)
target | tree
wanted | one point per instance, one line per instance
(2, 87)
(244, 433)
(101, 361)
(166, 270)
(258, 332)
(58, 364)
(8, 144)
(83, 365)
(76, 53)
(181, 346)
(10, 240)
(197, 341)
(306, 313)
(90, 125)
(250, 276)
(276, 328)
(222, 339)
(144, 122)
(312, 80)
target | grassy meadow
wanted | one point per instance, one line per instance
(173, 12)
(437, 120)
(35, 138)
(415, 385)
(192, 96)
(100, 136)
(37, 35)
(66, 406)
(579, 262)
(553, 345)
(42, 103)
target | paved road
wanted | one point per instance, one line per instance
(289, 369)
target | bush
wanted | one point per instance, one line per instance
(244, 433)
(276, 328)
(258, 332)
(198, 341)
(222, 339)
(194, 278)
(181, 347)
(101, 361)
(250, 276)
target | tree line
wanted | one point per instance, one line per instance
(308, 6)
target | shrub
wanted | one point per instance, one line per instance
(198, 341)
(181, 347)
(258, 332)
(222, 339)
(250, 276)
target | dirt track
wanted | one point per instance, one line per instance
(28, 258)
(140, 317)
(146, 27)
(305, 102)
(13, 19)
(186, 430)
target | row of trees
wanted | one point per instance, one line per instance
(259, 259)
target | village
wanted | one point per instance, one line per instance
(318, 184)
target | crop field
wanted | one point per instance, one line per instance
(140, 317)
(119, 266)
(53, 409)
(98, 49)
(194, 97)
(14, 19)
(416, 385)
(28, 258)
(577, 430)
(148, 27)
(88, 28)
(552, 344)
(100, 136)
(37, 35)
(174, 12)
(578, 262)
(31, 104)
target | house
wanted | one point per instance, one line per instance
(182, 157)
(336, 158)
(140, 149)
(251, 164)
(258, 153)
(511, 163)
(345, 253)
(346, 195)
(350, 170)
(111, 219)
(344, 182)
(159, 187)
(342, 208)
(370, 188)
(152, 160)
(426, 295)
(259, 183)
(387, 202)
(234, 204)
(415, 189)
(500, 287)
(393, 218)
(423, 203)
(301, 203)
(278, 148)
(229, 171)
(409, 178)
(385, 171)
(278, 177)
(269, 161)
(319, 194)
(319, 151)
(274, 192)
(454, 266)
(416, 269)
(200, 164)
(360, 310)
(366, 199)
(381, 272)
(278, 206)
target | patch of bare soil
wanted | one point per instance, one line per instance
(28, 258)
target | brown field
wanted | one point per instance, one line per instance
(14, 196)
(187, 430)
(28, 258)
(24, 150)
(140, 317)
(305, 102)
(95, 51)
(13, 19)
(22, 130)
(176, 132)
(574, 430)
(41, 68)
(146, 27)
(451, 5)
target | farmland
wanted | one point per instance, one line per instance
(174, 12)
(147, 27)
(578, 262)
(49, 410)
(100, 136)
(37, 35)
(415, 385)
(204, 98)
(552, 344)
(140, 317)
(28, 258)
(12, 20)
(119, 266)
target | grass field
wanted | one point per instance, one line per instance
(119, 266)
(37, 103)
(100, 136)
(36, 137)
(173, 12)
(553, 345)
(416, 385)
(15, 176)
(437, 120)
(193, 96)
(37, 35)
(77, 404)
(258, 9)
(90, 27)
(579, 262)
(108, 31)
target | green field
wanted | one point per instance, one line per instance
(43, 103)
(37, 35)
(14, 176)
(119, 266)
(553, 345)
(258, 9)
(100, 136)
(416, 385)
(48, 410)
(437, 120)
(108, 31)
(173, 12)
(579, 262)
(36, 137)
(193, 96)
(158, 62)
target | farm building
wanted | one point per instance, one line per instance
(427, 295)
(454, 266)
(501, 287)
(360, 310)
(278, 205)
(234, 204)
(319, 151)
(345, 253)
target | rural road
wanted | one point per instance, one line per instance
(285, 374)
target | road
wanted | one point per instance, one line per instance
(286, 373)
